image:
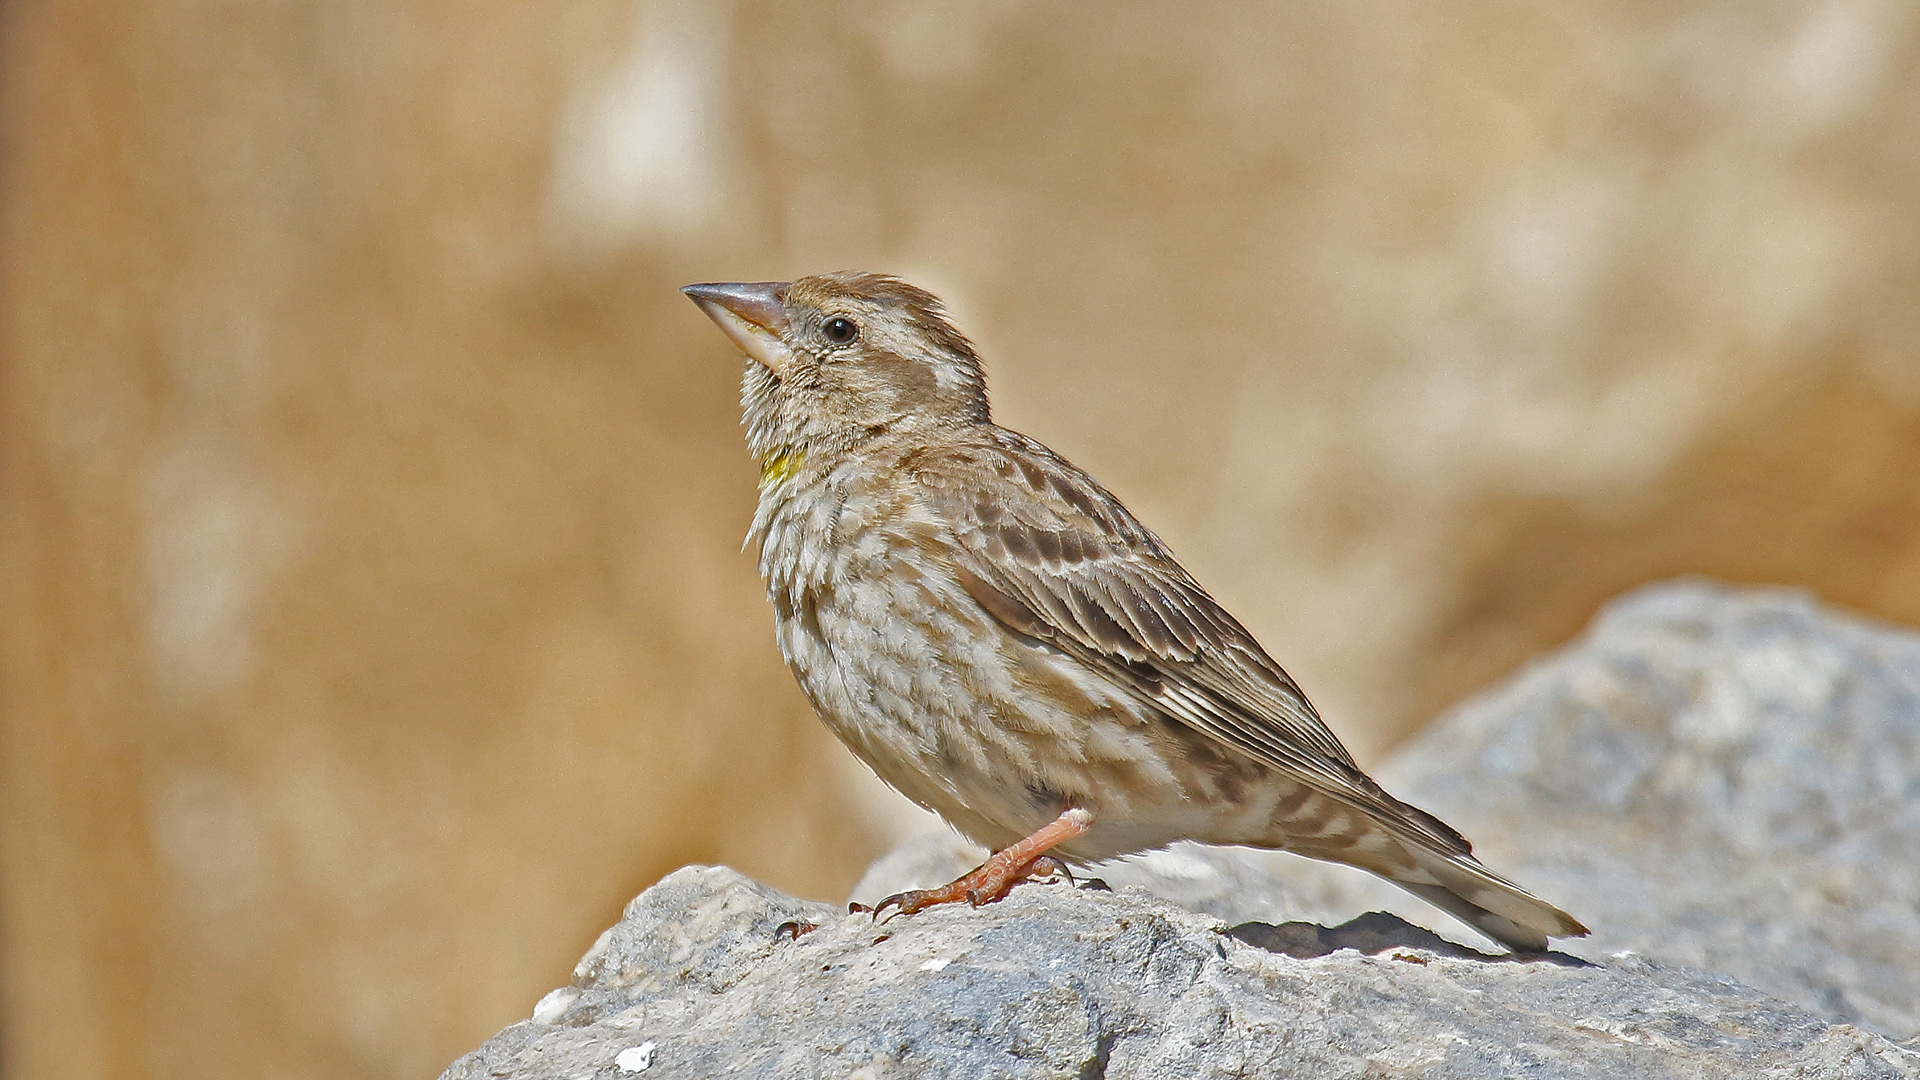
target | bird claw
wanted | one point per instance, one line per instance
(910, 902)
(1048, 866)
(792, 929)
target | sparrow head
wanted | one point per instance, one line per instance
(837, 359)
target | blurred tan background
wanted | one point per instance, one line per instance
(372, 615)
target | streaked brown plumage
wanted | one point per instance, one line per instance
(1003, 642)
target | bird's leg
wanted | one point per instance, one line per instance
(1004, 869)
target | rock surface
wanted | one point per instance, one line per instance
(1724, 779)
(698, 981)
(1718, 780)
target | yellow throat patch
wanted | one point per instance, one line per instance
(779, 465)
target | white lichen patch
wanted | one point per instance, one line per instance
(635, 1058)
(554, 1004)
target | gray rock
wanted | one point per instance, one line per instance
(1726, 779)
(1722, 778)
(1713, 779)
(698, 981)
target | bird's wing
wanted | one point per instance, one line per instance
(1052, 555)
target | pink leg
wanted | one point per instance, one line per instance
(1004, 869)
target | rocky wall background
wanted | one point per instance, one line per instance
(370, 503)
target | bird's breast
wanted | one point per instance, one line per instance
(995, 732)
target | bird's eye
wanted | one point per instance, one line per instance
(840, 331)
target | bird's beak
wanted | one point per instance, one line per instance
(752, 313)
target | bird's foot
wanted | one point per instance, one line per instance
(984, 884)
(993, 879)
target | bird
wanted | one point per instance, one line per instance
(1000, 640)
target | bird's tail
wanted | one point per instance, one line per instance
(1460, 886)
(1421, 854)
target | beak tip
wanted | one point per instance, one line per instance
(759, 302)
